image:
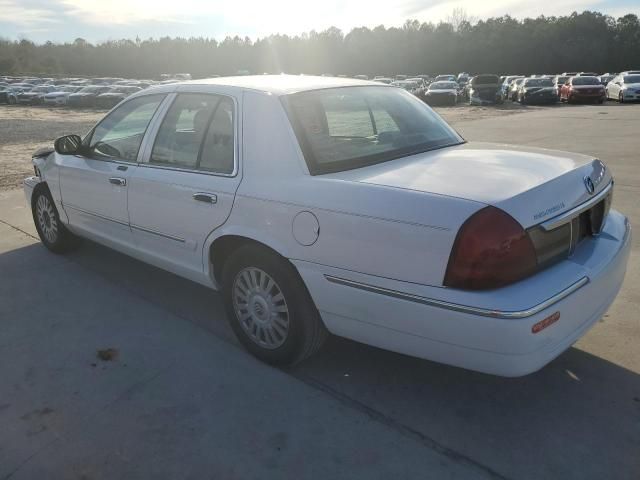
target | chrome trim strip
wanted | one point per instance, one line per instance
(86, 212)
(569, 215)
(160, 234)
(462, 308)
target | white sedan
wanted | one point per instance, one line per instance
(624, 88)
(60, 95)
(323, 205)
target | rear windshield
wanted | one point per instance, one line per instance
(485, 79)
(585, 81)
(538, 82)
(631, 79)
(443, 86)
(351, 127)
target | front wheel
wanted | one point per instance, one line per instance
(52, 232)
(269, 307)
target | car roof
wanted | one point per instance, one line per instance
(280, 84)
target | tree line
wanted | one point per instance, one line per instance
(587, 41)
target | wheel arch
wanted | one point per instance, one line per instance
(219, 247)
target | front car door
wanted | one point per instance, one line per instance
(186, 182)
(93, 186)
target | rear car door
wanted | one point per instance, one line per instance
(94, 185)
(186, 183)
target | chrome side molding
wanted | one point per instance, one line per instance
(462, 308)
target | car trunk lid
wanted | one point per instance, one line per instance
(531, 184)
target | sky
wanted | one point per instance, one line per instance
(100, 20)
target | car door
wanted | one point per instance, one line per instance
(93, 186)
(186, 183)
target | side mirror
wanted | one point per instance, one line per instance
(68, 145)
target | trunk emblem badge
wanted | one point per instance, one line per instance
(588, 183)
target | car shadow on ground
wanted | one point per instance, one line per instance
(579, 417)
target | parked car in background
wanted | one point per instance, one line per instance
(513, 89)
(605, 78)
(374, 220)
(85, 97)
(582, 89)
(630, 72)
(8, 95)
(558, 82)
(114, 95)
(35, 96)
(385, 80)
(505, 87)
(410, 86)
(442, 93)
(536, 91)
(445, 78)
(587, 74)
(484, 90)
(361, 77)
(624, 88)
(60, 95)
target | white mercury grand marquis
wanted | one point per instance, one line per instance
(321, 205)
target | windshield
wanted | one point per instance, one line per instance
(443, 86)
(560, 80)
(585, 81)
(538, 82)
(451, 78)
(631, 79)
(344, 128)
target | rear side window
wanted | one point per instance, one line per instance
(197, 134)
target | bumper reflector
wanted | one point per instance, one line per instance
(541, 325)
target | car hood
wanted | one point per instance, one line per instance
(529, 183)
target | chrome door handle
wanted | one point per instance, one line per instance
(206, 197)
(118, 181)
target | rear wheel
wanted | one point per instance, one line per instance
(621, 97)
(52, 232)
(269, 308)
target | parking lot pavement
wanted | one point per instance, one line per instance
(182, 400)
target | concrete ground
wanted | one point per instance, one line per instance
(182, 400)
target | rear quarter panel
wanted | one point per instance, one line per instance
(383, 231)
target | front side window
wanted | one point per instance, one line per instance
(350, 127)
(197, 134)
(119, 134)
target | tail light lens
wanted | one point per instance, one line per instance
(491, 250)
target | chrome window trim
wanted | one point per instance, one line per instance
(569, 215)
(515, 314)
(154, 128)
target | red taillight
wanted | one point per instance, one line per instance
(491, 250)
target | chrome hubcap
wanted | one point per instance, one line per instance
(261, 308)
(47, 219)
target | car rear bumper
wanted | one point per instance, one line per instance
(461, 328)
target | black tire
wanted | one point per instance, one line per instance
(620, 97)
(305, 332)
(52, 232)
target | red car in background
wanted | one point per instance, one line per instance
(581, 88)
